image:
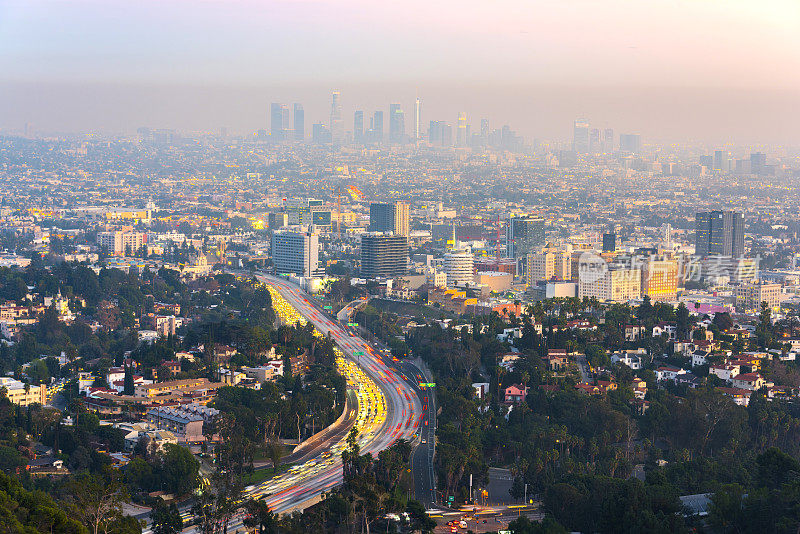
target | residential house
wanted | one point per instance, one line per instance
(748, 381)
(515, 394)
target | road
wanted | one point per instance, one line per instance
(388, 407)
(422, 471)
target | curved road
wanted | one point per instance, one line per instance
(403, 410)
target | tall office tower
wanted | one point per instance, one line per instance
(279, 121)
(608, 140)
(758, 163)
(580, 136)
(337, 126)
(320, 134)
(377, 127)
(609, 242)
(707, 162)
(383, 256)
(548, 264)
(397, 127)
(447, 134)
(721, 160)
(719, 233)
(461, 130)
(358, 127)
(402, 224)
(299, 122)
(385, 217)
(296, 252)
(631, 143)
(524, 235)
(417, 119)
(435, 133)
(381, 217)
(666, 235)
(594, 141)
(660, 279)
(459, 267)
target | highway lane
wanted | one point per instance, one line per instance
(388, 407)
(397, 415)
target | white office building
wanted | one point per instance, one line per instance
(296, 252)
(459, 267)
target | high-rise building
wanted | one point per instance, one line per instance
(117, 243)
(594, 141)
(609, 242)
(608, 141)
(299, 122)
(397, 127)
(337, 126)
(613, 283)
(385, 217)
(660, 279)
(758, 163)
(631, 143)
(402, 222)
(296, 252)
(749, 296)
(721, 160)
(461, 130)
(459, 267)
(417, 119)
(383, 255)
(549, 264)
(279, 121)
(580, 136)
(719, 233)
(524, 235)
(376, 127)
(320, 134)
(358, 127)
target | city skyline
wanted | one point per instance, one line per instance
(534, 66)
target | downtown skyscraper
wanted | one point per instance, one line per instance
(337, 124)
(397, 126)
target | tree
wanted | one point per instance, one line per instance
(97, 502)
(275, 453)
(166, 519)
(129, 384)
(179, 469)
(682, 317)
(260, 517)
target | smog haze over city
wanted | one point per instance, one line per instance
(715, 71)
(407, 266)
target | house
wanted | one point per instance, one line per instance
(481, 389)
(725, 371)
(508, 360)
(588, 389)
(173, 366)
(700, 357)
(510, 334)
(739, 396)
(515, 393)
(186, 425)
(749, 381)
(556, 359)
(668, 372)
(631, 358)
(639, 388)
(633, 332)
(45, 465)
(665, 329)
(581, 324)
(688, 379)
(606, 385)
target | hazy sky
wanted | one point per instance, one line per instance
(702, 69)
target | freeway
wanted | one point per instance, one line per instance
(389, 408)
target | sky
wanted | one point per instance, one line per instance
(711, 70)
